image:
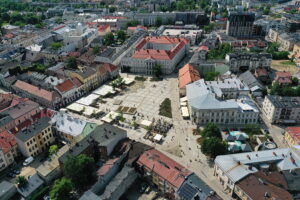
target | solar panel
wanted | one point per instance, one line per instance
(187, 192)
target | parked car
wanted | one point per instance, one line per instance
(12, 175)
(28, 161)
(16, 171)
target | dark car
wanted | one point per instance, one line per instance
(12, 175)
(16, 171)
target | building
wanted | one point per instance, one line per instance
(288, 40)
(151, 52)
(69, 90)
(99, 144)
(162, 171)
(34, 185)
(240, 24)
(283, 78)
(234, 171)
(36, 138)
(292, 135)
(50, 99)
(262, 75)
(86, 75)
(252, 83)
(7, 190)
(279, 109)
(221, 102)
(8, 148)
(186, 75)
(17, 112)
(240, 62)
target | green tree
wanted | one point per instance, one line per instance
(132, 23)
(71, 62)
(209, 28)
(213, 147)
(96, 50)
(211, 76)
(121, 35)
(53, 149)
(21, 181)
(109, 38)
(61, 189)
(211, 130)
(56, 45)
(252, 129)
(112, 9)
(80, 170)
(158, 21)
(157, 70)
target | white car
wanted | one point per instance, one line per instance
(28, 161)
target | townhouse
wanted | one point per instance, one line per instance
(8, 149)
(36, 138)
(292, 135)
(279, 109)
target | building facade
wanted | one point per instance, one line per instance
(36, 138)
(8, 149)
(240, 25)
(279, 109)
(151, 52)
(240, 62)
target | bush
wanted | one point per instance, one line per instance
(140, 78)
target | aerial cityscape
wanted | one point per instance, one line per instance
(149, 100)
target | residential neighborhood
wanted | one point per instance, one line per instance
(150, 100)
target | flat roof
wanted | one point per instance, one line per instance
(181, 32)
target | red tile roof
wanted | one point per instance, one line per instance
(203, 48)
(7, 141)
(74, 54)
(283, 77)
(294, 132)
(65, 86)
(261, 72)
(102, 28)
(6, 100)
(77, 82)
(107, 166)
(109, 67)
(133, 28)
(169, 170)
(187, 74)
(154, 54)
(9, 36)
(39, 92)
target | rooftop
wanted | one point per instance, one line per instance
(294, 132)
(34, 182)
(33, 129)
(7, 141)
(164, 166)
(187, 74)
(284, 102)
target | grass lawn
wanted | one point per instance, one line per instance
(287, 62)
(165, 108)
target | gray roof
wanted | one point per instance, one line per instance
(194, 187)
(293, 180)
(21, 109)
(200, 96)
(34, 182)
(236, 166)
(6, 188)
(284, 102)
(5, 119)
(250, 80)
(246, 147)
(89, 195)
(33, 129)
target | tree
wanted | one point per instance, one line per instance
(112, 9)
(96, 50)
(53, 149)
(158, 21)
(157, 70)
(21, 181)
(211, 130)
(132, 23)
(252, 129)
(121, 35)
(213, 147)
(80, 170)
(56, 45)
(61, 189)
(209, 28)
(72, 62)
(109, 38)
(211, 76)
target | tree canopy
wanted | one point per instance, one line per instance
(80, 170)
(109, 38)
(213, 147)
(220, 52)
(273, 49)
(121, 35)
(157, 70)
(211, 76)
(53, 149)
(211, 130)
(71, 62)
(61, 189)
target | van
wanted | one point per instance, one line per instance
(28, 161)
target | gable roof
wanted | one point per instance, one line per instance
(164, 166)
(187, 74)
(7, 141)
(39, 92)
(65, 86)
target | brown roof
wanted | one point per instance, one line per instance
(258, 186)
(65, 86)
(39, 92)
(187, 74)
(21, 108)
